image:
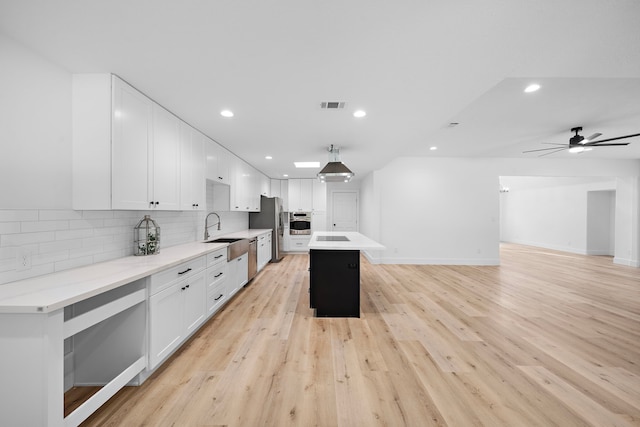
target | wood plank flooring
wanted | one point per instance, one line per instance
(545, 339)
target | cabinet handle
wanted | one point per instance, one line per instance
(182, 272)
(187, 286)
(218, 275)
(218, 256)
(216, 299)
(220, 178)
(183, 288)
(151, 203)
(157, 203)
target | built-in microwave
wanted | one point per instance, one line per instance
(299, 223)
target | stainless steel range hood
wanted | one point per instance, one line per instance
(335, 170)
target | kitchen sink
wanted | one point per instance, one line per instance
(236, 248)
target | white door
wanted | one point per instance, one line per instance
(344, 212)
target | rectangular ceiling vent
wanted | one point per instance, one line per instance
(332, 105)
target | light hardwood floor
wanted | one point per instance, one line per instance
(545, 339)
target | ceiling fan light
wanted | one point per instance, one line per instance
(532, 88)
(576, 149)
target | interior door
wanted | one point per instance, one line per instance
(344, 211)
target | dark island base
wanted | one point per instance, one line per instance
(334, 285)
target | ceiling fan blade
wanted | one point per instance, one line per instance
(591, 138)
(554, 143)
(595, 144)
(612, 139)
(546, 149)
(546, 154)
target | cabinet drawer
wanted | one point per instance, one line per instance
(216, 295)
(164, 279)
(216, 275)
(217, 257)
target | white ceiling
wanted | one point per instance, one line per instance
(414, 66)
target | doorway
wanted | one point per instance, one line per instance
(344, 211)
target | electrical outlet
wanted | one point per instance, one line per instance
(23, 259)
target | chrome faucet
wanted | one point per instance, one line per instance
(206, 224)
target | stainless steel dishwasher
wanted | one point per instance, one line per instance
(253, 257)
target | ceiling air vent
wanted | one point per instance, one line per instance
(332, 105)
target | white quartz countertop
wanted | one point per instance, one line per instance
(51, 292)
(356, 241)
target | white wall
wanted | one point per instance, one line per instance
(35, 136)
(438, 211)
(446, 211)
(553, 212)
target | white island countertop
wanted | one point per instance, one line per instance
(43, 294)
(343, 240)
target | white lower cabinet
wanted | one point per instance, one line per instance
(238, 274)
(264, 250)
(177, 306)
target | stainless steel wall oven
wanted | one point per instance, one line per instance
(299, 223)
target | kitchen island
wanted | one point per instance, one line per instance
(334, 266)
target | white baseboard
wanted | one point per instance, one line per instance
(624, 261)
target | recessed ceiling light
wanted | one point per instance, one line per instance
(226, 113)
(433, 148)
(285, 175)
(268, 157)
(307, 164)
(532, 88)
(359, 113)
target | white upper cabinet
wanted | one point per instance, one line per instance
(245, 186)
(265, 185)
(319, 195)
(131, 165)
(128, 151)
(146, 152)
(192, 167)
(300, 195)
(217, 162)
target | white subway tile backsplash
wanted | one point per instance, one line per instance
(86, 223)
(58, 214)
(9, 227)
(63, 239)
(97, 214)
(73, 263)
(74, 234)
(36, 226)
(9, 215)
(62, 245)
(26, 238)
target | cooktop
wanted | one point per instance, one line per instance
(333, 239)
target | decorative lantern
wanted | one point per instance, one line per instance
(146, 237)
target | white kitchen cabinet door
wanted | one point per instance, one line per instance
(238, 274)
(300, 195)
(164, 174)
(166, 323)
(132, 124)
(319, 195)
(195, 301)
(145, 150)
(217, 169)
(265, 185)
(264, 251)
(192, 164)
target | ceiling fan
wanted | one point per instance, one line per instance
(578, 143)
